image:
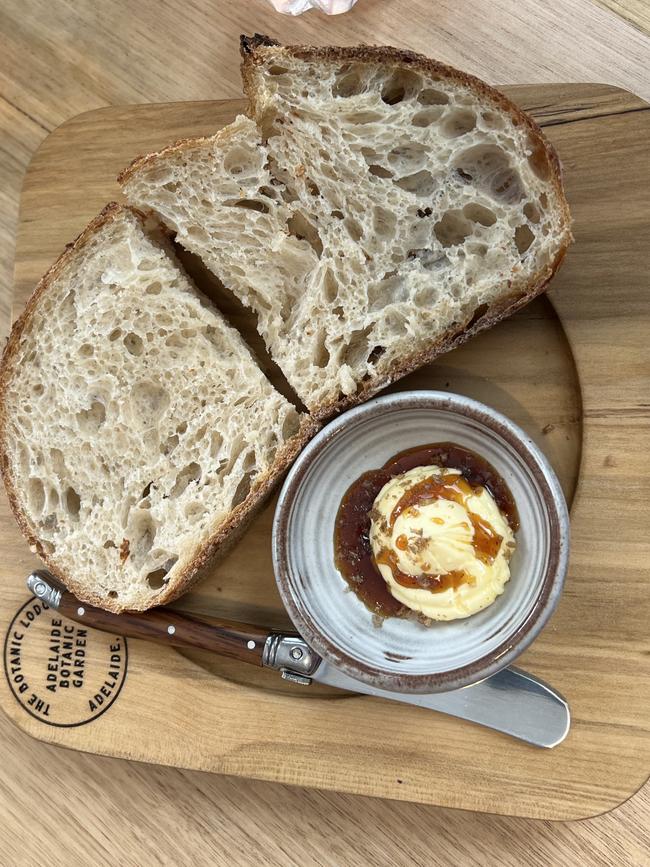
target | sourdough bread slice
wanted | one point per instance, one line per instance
(137, 433)
(418, 204)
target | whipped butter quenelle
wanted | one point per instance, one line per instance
(430, 534)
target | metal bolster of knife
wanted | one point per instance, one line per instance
(291, 656)
(42, 586)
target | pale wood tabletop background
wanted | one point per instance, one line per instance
(62, 57)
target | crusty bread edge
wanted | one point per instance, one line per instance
(521, 291)
(221, 538)
(221, 137)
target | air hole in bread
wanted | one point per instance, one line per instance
(524, 237)
(427, 117)
(250, 205)
(321, 356)
(407, 158)
(458, 122)
(149, 400)
(428, 259)
(194, 510)
(375, 354)
(479, 214)
(46, 547)
(170, 444)
(276, 69)
(35, 495)
(57, 462)
(92, 419)
(431, 96)
(543, 201)
(241, 161)
(242, 490)
(312, 188)
(154, 288)
(141, 535)
(383, 222)
(330, 286)
(538, 160)
(72, 502)
(115, 334)
(488, 167)
(290, 425)
(50, 523)
(379, 171)
(479, 313)
(349, 81)
(198, 233)
(112, 594)
(190, 473)
(362, 117)
(133, 343)
(156, 579)
(492, 120)
(216, 441)
(146, 491)
(532, 212)
(401, 84)
(268, 192)
(86, 350)
(38, 389)
(300, 227)
(357, 349)
(420, 183)
(109, 543)
(452, 229)
(353, 228)
(337, 214)
(507, 187)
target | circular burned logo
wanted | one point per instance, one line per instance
(62, 672)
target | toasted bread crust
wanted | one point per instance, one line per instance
(141, 161)
(220, 539)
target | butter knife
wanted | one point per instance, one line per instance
(511, 701)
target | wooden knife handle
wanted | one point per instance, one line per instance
(238, 640)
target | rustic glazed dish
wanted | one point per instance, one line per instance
(403, 654)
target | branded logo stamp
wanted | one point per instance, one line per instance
(61, 672)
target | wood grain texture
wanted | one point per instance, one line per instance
(61, 59)
(637, 12)
(239, 725)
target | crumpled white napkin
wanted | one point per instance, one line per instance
(297, 7)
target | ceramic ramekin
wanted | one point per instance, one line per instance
(403, 654)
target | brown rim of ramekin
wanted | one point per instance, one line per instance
(552, 581)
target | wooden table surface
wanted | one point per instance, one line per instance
(59, 58)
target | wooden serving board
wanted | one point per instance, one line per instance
(573, 370)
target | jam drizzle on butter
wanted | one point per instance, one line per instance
(353, 553)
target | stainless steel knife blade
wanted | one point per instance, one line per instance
(511, 701)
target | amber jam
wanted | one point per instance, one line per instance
(353, 553)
